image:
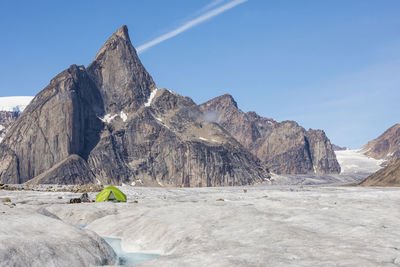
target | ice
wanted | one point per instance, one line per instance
(126, 258)
(123, 116)
(32, 239)
(269, 225)
(14, 103)
(354, 161)
(152, 95)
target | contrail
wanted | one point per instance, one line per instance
(190, 24)
(211, 5)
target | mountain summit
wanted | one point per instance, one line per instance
(109, 123)
(119, 75)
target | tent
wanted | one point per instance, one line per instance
(110, 193)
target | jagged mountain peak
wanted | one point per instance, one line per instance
(123, 33)
(120, 36)
(117, 71)
(225, 100)
(67, 134)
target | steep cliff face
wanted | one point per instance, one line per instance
(284, 147)
(61, 120)
(386, 146)
(123, 82)
(110, 124)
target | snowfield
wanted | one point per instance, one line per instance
(354, 161)
(298, 220)
(29, 238)
(267, 226)
(14, 103)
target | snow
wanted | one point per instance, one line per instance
(159, 119)
(123, 116)
(299, 220)
(172, 92)
(208, 140)
(267, 226)
(14, 103)
(1, 127)
(108, 118)
(30, 238)
(354, 161)
(152, 95)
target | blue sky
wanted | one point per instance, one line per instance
(332, 65)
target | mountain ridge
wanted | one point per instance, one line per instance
(110, 123)
(284, 147)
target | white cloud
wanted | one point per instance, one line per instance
(190, 24)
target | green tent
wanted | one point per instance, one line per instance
(110, 193)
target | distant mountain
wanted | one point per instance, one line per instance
(10, 109)
(284, 147)
(386, 146)
(388, 176)
(339, 148)
(109, 123)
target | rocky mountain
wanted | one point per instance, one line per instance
(10, 109)
(339, 148)
(387, 176)
(386, 146)
(284, 147)
(109, 123)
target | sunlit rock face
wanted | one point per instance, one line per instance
(386, 146)
(284, 147)
(109, 123)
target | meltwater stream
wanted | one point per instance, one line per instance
(126, 258)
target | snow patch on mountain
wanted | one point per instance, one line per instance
(151, 97)
(108, 118)
(123, 116)
(14, 103)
